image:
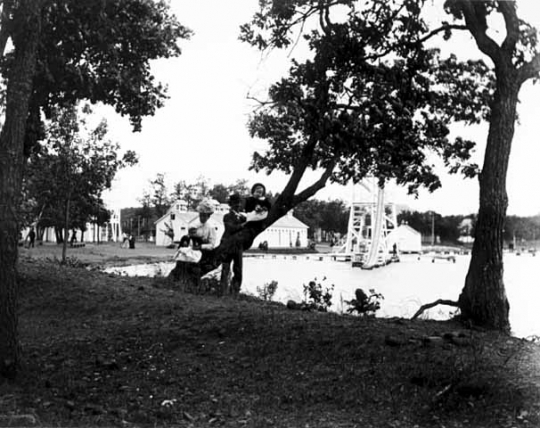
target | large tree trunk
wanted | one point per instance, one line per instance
(483, 300)
(19, 88)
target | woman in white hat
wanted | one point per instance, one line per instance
(204, 230)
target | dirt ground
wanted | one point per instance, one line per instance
(104, 350)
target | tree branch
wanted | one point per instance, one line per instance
(529, 70)
(324, 17)
(508, 10)
(315, 187)
(297, 174)
(476, 23)
(440, 29)
(431, 305)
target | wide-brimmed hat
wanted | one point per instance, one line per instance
(205, 207)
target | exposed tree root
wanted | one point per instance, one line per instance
(433, 304)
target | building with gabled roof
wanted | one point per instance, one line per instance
(285, 232)
(406, 239)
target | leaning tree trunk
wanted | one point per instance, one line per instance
(483, 300)
(19, 88)
(243, 240)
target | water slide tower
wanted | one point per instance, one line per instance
(371, 219)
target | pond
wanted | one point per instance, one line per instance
(406, 285)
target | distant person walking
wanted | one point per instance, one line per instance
(73, 238)
(125, 240)
(31, 238)
(234, 222)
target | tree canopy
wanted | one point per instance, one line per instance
(101, 52)
(372, 100)
(75, 165)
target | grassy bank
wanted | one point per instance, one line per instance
(101, 350)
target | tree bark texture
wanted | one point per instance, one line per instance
(19, 89)
(483, 299)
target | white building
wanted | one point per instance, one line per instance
(109, 232)
(286, 232)
(407, 239)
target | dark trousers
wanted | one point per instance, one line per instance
(236, 282)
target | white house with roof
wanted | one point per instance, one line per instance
(93, 233)
(407, 239)
(286, 232)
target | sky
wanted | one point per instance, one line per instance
(202, 129)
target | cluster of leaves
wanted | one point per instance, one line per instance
(69, 173)
(267, 291)
(325, 215)
(373, 100)
(527, 228)
(101, 52)
(364, 304)
(447, 228)
(316, 296)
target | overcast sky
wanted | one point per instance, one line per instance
(202, 128)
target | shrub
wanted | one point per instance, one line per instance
(316, 296)
(364, 304)
(267, 291)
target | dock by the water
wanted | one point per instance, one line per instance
(339, 257)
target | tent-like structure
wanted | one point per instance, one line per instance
(406, 239)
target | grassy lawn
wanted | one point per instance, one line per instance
(102, 350)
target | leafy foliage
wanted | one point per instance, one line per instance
(316, 296)
(157, 197)
(372, 99)
(71, 171)
(325, 215)
(221, 192)
(364, 304)
(267, 291)
(101, 51)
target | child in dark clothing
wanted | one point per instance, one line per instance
(257, 205)
(189, 248)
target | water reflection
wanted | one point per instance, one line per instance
(405, 285)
